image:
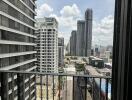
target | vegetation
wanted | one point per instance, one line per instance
(75, 58)
(61, 70)
(84, 59)
(68, 54)
(68, 59)
(61, 82)
(79, 67)
(111, 56)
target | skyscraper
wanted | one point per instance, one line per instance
(60, 52)
(80, 47)
(68, 48)
(84, 35)
(73, 43)
(17, 48)
(47, 44)
(88, 32)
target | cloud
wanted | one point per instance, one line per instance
(44, 10)
(103, 31)
(70, 11)
(67, 20)
(66, 25)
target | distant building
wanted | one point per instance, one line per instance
(84, 35)
(96, 52)
(73, 43)
(60, 52)
(96, 62)
(109, 48)
(92, 52)
(107, 54)
(68, 48)
(88, 31)
(80, 47)
(47, 44)
(81, 40)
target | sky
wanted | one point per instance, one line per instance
(67, 12)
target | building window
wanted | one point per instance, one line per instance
(0, 20)
(5, 21)
(0, 35)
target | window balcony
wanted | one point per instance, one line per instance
(53, 86)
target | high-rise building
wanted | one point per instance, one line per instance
(96, 52)
(92, 52)
(84, 35)
(80, 47)
(47, 44)
(17, 48)
(88, 32)
(68, 48)
(73, 43)
(60, 52)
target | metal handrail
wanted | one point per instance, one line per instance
(54, 74)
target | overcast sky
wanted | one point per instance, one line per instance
(67, 12)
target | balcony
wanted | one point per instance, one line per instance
(19, 85)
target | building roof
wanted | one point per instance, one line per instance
(92, 71)
(103, 70)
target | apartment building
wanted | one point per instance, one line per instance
(47, 44)
(17, 49)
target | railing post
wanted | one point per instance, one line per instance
(80, 89)
(53, 87)
(92, 88)
(85, 79)
(66, 87)
(73, 93)
(106, 88)
(47, 94)
(100, 89)
(35, 87)
(59, 87)
(20, 84)
(12, 76)
(4, 89)
(41, 87)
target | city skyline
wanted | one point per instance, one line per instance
(81, 39)
(68, 12)
(29, 43)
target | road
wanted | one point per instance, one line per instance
(68, 84)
